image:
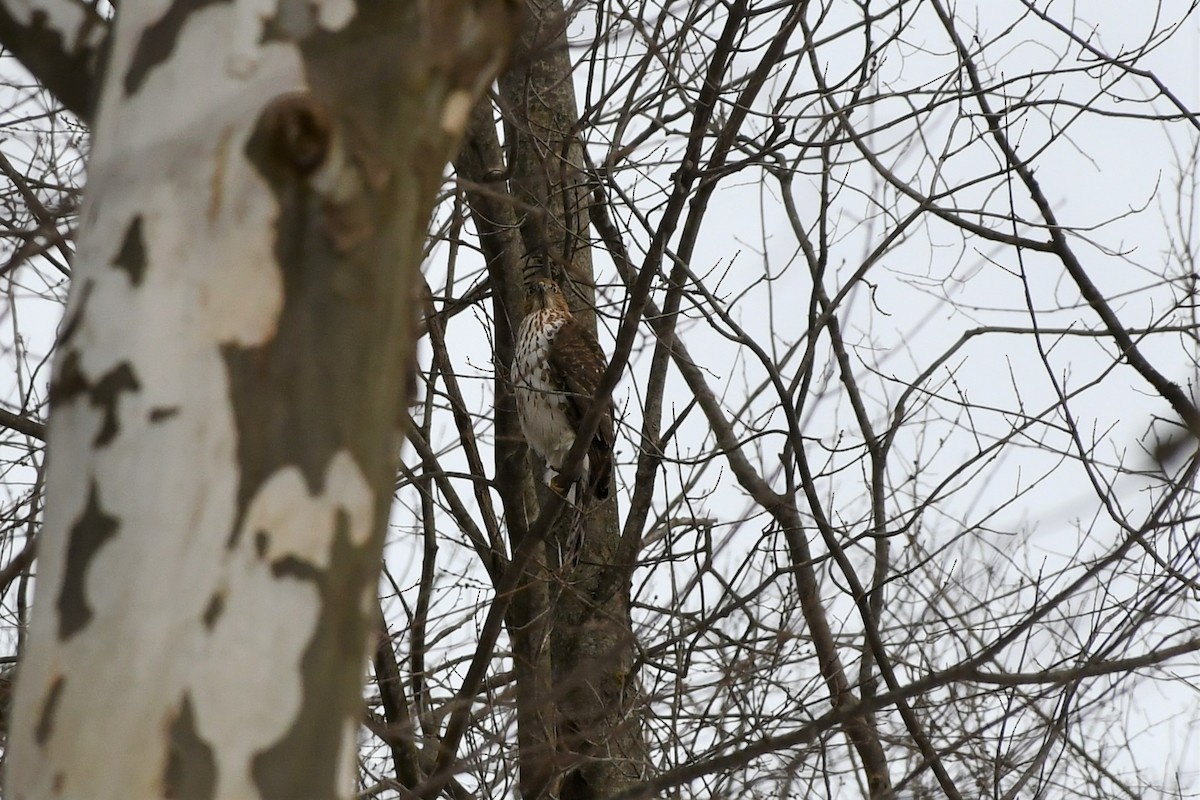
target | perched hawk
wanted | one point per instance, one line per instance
(556, 370)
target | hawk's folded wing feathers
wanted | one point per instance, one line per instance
(578, 364)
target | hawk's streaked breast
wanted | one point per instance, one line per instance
(541, 402)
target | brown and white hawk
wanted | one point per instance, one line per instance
(556, 371)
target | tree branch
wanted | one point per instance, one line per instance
(23, 425)
(63, 43)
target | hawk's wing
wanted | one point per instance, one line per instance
(577, 362)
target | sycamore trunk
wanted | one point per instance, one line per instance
(234, 360)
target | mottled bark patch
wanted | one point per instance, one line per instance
(162, 413)
(131, 258)
(105, 395)
(214, 610)
(74, 316)
(294, 21)
(157, 41)
(298, 568)
(286, 406)
(87, 536)
(70, 382)
(45, 725)
(329, 375)
(191, 769)
(304, 762)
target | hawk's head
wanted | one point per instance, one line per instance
(545, 294)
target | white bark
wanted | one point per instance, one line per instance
(170, 155)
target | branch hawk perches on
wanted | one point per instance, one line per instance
(556, 371)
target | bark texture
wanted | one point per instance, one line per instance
(481, 163)
(62, 43)
(598, 732)
(231, 372)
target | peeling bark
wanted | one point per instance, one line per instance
(225, 406)
(90, 532)
(191, 769)
(132, 256)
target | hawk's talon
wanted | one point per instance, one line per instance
(564, 489)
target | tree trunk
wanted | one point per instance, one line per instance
(234, 360)
(599, 734)
(528, 620)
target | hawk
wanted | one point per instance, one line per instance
(556, 371)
